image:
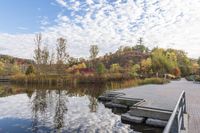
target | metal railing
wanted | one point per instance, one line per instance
(176, 120)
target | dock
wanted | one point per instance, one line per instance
(154, 104)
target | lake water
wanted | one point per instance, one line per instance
(44, 109)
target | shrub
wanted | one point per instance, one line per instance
(153, 81)
(30, 70)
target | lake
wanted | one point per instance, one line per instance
(44, 109)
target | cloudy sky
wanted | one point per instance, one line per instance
(107, 23)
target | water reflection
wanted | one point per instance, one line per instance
(56, 109)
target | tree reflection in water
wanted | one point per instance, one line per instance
(39, 106)
(47, 101)
(60, 110)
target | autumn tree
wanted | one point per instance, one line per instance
(146, 65)
(14, 69)
(135, 70)
(2, 68)
(115, 67)
(160, 64)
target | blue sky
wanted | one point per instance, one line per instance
(106, 23)
(26, 16)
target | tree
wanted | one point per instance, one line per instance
(94, 50)
(115, 67)
(100, 68)
(184, 63)
(45, 56)
(61, 47)
(52, 58)
(72, 61)
(14, 69)
(62, 54)
(38, 52)
(140, 46)
(160, 63)
(176, 72)
(82, 66)
(2, 67)
(146, 65)
(135, 70)
(29, 70)
(199, 61)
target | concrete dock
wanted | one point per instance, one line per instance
(155, 103)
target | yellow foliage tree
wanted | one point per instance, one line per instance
(115, 67)
(146, 65)
(1, 67)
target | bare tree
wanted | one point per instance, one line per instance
(52, 58)
(45, 55)
(94, 50)
(38, 52)
(62, 55)
(45, 60)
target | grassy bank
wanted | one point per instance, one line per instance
(80, 79)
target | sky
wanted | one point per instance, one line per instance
(106, 23)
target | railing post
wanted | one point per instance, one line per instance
(183, 105)
(174, 128)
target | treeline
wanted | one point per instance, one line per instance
(10, 65)
(128, 62)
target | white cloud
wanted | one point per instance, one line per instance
(22, 28)
(62, 2)
(162, 23)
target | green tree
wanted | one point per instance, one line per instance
(160, 63)
(135, 70)
(100, 68)
(30, 70)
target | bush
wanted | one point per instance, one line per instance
(30, 70)
(190, 78)
(153, 81)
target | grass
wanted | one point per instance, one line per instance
(85, 79)
(153, 81)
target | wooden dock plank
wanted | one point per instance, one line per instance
(165, 97)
